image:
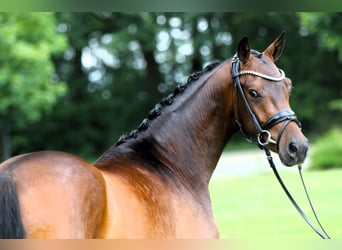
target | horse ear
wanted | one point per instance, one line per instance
(275, 49)
(243, 50)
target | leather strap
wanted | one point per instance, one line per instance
(284, 115)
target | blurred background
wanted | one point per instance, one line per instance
(76, 81)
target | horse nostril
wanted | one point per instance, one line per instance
(297, 151)
(293, 149)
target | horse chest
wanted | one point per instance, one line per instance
(194, 220)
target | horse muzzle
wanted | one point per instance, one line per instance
(294, 147)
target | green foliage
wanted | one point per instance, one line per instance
(336, 104)
(327, 26)
(118, 65)
(327, 151)
(27, 84)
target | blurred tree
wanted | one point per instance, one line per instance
(118, 65)
(110, 70)
(28, 85)
(328, 27)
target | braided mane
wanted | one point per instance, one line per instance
(166, 101)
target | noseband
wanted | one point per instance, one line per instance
(264, 137)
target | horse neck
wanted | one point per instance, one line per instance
(196, 132)
(189, 136)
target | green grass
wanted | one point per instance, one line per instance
(255, 207)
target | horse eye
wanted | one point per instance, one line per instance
(253, 93)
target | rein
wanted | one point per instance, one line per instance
(264, 136)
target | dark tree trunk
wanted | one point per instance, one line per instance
(153, 77)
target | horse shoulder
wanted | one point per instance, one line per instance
(138, 204)
(142, 205)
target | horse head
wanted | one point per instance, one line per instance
(263, 102)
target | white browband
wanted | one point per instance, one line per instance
(270, 78)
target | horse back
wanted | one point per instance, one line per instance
(60, 195)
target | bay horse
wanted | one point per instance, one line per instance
(153, 183)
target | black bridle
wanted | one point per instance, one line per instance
(263, 137)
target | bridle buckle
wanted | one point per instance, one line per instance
(265, 138)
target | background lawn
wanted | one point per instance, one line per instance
(255, 207)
